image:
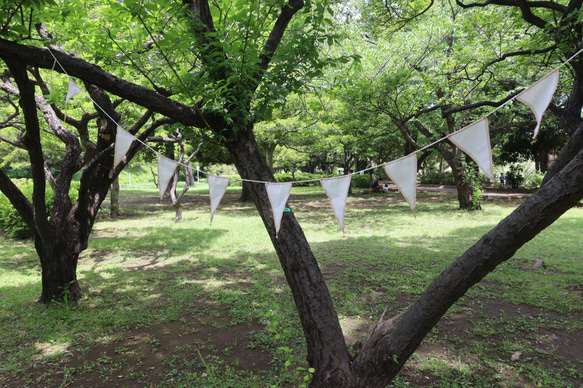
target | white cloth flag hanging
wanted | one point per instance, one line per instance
(278, 194)
(217, 188)
(337, 191)
(539, 96)
(403, 172)
(123, 141)
(166, 168)
(474, 140)
(72, 91)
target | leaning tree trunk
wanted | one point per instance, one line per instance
(327, 351)
(245, 192)
(390, 344)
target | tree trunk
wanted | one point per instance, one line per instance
(59, 270)
(245, 192)
(399, 337)
(269, 152)
(327, 351)
(114, 209)
(465, 189)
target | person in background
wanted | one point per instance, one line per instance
(376, 185)
(502, 180)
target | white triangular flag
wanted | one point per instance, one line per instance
(278, 194)
(474, 140)
(403, 172)
(72, 91)
(123, 142)
(337, 191)
(217, 188)
(539, 96)
(166, 169)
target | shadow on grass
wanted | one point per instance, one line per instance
(157, 298)
(155, 242)
(142, 324)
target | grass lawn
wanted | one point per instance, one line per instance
(190, 304)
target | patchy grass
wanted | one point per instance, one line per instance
(183, 304)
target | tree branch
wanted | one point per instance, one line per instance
(276, 34)
(494, 104)
(519, 53)
(32, 141)
(524, 6)
(81, 69)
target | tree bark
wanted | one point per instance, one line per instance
(59, 270)
(327, 351)
(114, 209)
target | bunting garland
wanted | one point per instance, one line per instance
(539, 96)
(278, 194)
(473, 140)
(403, 173)
(337, 191)
(123, 142)
(166, 169)
(217, 188)
(72, 91)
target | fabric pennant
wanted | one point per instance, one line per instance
(278, 194)
(166, 169)
(474, 140)
(539, 96)
(403, 172)
(72, 91)
(337, 191)
(123, 142)
(217, 188)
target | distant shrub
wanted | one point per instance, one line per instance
(11, 223)
(514, 176)
(18, 173)
(361, 180)
(301, 177)
(437, 178)
(235, 181)
(534, 180)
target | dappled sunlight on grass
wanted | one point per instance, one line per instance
(51, 349)
(190, 280)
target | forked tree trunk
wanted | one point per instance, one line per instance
(390, 344)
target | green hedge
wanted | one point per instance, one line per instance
(302, 176)
(361, 181)
(436, 178)
(11, 223)
(358, 180)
